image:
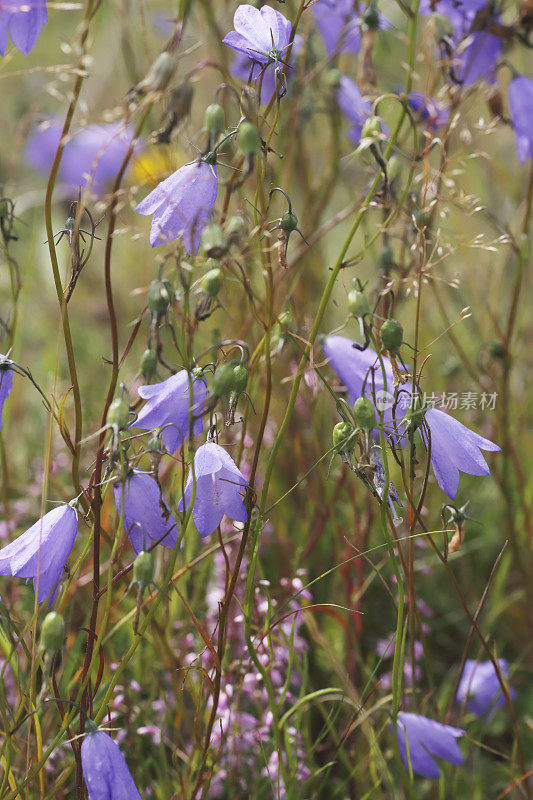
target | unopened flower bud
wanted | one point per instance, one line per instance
(214, 119)
(159, 296)
(118, 414)
(155, 444)
(386, 258)
(391, 335)
(229, 379)
(394, 167)
(371, 128)
(364, 414)
(341, 433)
(370, 19)
(288, 222)
(52, 631)
(358, 304)
(214, 242)
(143, 568)
(235, 229)
(148, 363)
(248, 139)
(211, 283)
(160, 72)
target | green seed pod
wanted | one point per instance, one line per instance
(386, 258)
(248, 139)
(364, 414)
(391, 335)
(211, 283)
(143, 568)
(289, 222)
(215, 119)
(394, 167)
(371, 128)
(235, 229)
(358, 304)
(341, 432)
(118, 415)
(214, 242)
(52, 631)
(370, 19)
(159, 296)
(148, 363)
(229, 379)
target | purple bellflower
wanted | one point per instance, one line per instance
(218, 489)
(261, 34)
(251, 71)
(147, 517)
(454, 447)
(182, 205)
(427, 110)
(105, 771)
(427, 738)
(353, 106)
(169, 407)
(41, 553)
(6, 383)
(521, 108)
(91, 158)
(338, 25)
(22, 20)
(480, 687)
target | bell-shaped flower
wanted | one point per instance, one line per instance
(454, 447)
(427, 110)
(219, 484)
(261, 34)
(41, 553)
(147, 517)
(338, 24)
(521, 108)
(425, 738)
(23, 21)
(181, 205)
(105, 771)
(353, 106)
(6, 383)
(260, 75)
(480, 687)
(170, 407)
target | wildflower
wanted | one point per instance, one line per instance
(6, 383)
(147, 517)
(520, 106)
(353, 106)
(338, 25)
(105, 771)
(182, 205)
(454, 447)
(22, 20)
(480, 687)
(169, 407)
(218, 489)
(427, 110)
(42, 551)
(91, 158)
(264, 77)
(261, 34)
(427, 738)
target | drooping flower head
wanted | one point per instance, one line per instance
(22, 20)
(354, 107)
(147, 517)
(480, 687)
(219, 484)
(6, 383)
(169, 407)
(426, 738)
(454, 447)
(105, 771)
(521, 108)
(41, 553)
(181, 205)
(261, 34)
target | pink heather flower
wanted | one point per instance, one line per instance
(22, 20)
(169, 407)
(427, 738)
(219, 484)
(181, 205)
(521, 108)
(147, 517)
(41, 553)
(261, 34)
(480, 687)
(105, 771)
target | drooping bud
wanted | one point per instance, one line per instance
(215, 119)
(358, 304)
(235, 229)
(52, 631)
(364, 414)
(341, 441)
(211, 282)
(229, 382)
(248, 139)
(289, 222)
(394, 167)
(391, 335)
(371, 128)
(159, 296)
(370, 19)
(118, 414)
(143, 568)
(148, 364)
(214, 242)
(160, 72)
(386, 259)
